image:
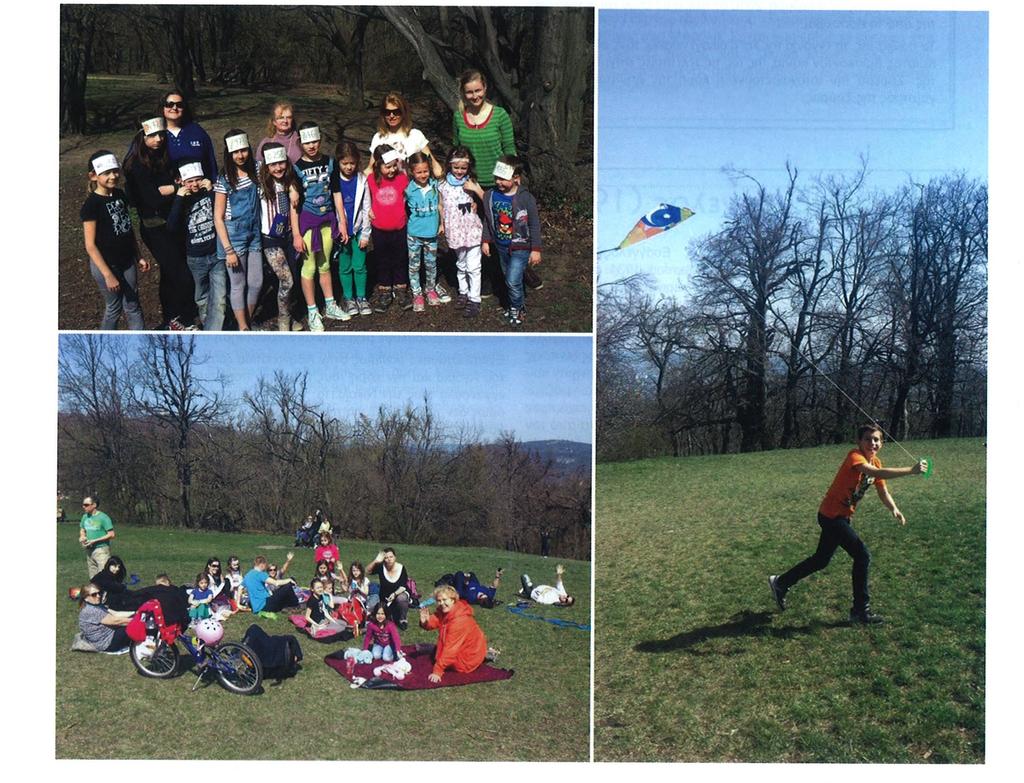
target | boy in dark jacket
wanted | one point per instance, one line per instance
(512, 228)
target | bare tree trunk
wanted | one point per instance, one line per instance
(77, 28)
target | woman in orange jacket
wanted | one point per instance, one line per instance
(461, 644)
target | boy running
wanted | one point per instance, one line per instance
(859, 471)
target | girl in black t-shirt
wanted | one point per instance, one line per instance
(110, 242)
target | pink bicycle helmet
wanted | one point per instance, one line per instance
(210, 632)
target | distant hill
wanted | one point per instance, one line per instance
(568, 456)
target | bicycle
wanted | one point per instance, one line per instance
(236, 666)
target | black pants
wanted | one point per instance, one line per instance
(390, 257)
(119, 641)
(282, 597)
(177, 286)
(835, 533)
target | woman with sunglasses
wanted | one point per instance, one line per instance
(99, 626)
(186, 137)
(220, 586)
(151, 189)
(394, 128)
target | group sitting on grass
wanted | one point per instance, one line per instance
(338, 604)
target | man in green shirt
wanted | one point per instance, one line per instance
(95, 532)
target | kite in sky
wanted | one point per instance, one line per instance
(654, 222)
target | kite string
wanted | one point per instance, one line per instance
(853, 402)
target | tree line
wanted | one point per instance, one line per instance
(538, 60)
(809, 311)
(159, 440)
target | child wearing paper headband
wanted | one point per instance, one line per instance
(317, 225)
(192, 209)
(110, 242)
(236, 217)
(512, 230)
(387, 228)
(279, 200)
(151, 189)
(463, 229)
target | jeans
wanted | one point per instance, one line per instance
(211, 285)
(385, 652)
(125, 299)
(513, 262)
(835, 533)
(428, 248)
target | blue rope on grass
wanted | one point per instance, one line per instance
(521, 611)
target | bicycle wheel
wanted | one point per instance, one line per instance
(237, 667)
(161, 663)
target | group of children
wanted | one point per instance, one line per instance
(311, 214)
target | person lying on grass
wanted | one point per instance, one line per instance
(859, 471)
(469, 588)
(461, 644)
(546, 594)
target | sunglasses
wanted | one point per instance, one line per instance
(392, 112)
(92, 595)
(174, 104)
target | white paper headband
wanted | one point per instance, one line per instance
(237, 142)
(105, 163)
(307, 135)
(503, 170)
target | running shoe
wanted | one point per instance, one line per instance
(417, 303)
(335, 313)
(316, 323)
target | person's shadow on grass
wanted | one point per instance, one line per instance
(743, 624)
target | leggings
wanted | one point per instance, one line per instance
(390, 257)
(124, 300)
(177, 297)
(277, 258)
(246, 280)
(352, 269)
(319, 261)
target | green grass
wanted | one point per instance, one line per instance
(694, 663)
(104, 709)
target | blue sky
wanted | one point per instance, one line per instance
(685, 93)
(539, 387)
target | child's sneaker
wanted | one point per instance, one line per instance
(532, 279)
(433, 299)
(442, 293)
(404, 297)
(515, 317)
(316, 323)
(335, 313)
(351, 307)
(417, 303)
(363, 306)
(460, 301)
(385, 297)
(777, 592)
(472, 310)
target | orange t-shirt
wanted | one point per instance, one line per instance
(849, 486)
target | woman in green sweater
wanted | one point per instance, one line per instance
(484, 128)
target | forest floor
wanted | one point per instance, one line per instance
(564, 304)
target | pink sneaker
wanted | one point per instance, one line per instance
(417, 303)
(433, 299)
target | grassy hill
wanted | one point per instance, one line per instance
(693, 661)
(104, 709)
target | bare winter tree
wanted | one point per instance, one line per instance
(168, 389)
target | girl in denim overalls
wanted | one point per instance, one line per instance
(237, 220)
